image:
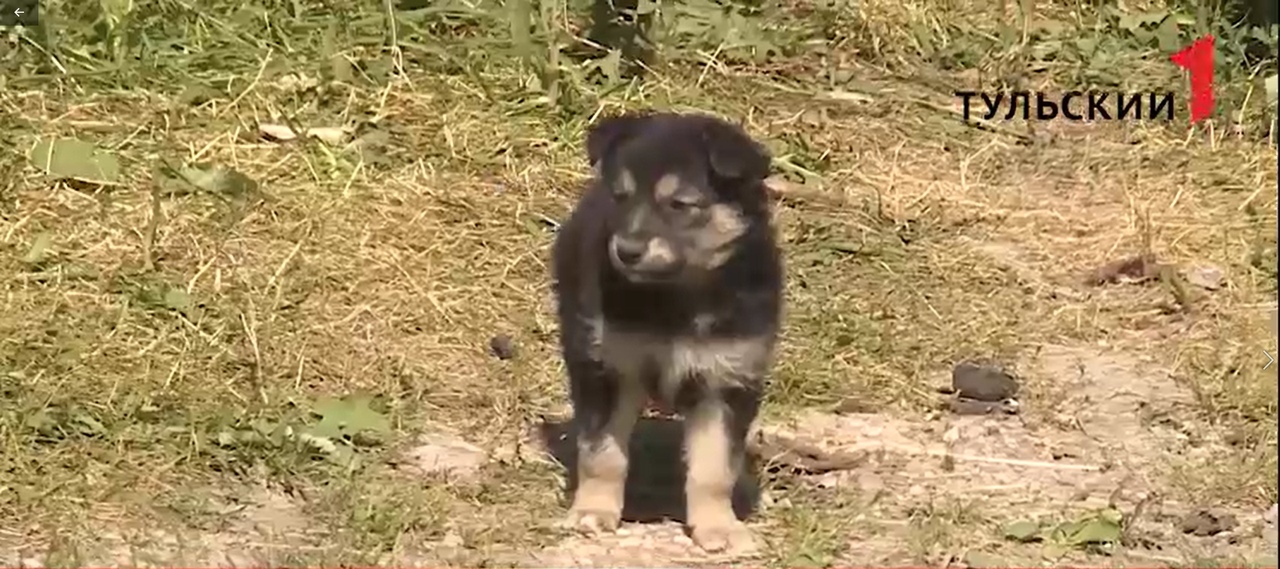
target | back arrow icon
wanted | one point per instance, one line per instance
(1270, 360)
(18, 12)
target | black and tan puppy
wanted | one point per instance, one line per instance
(669, 285)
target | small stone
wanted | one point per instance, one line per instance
(502, 346)
(452, 539)
(1271, 515)
(1060, 453)
(1208, 278)
(983, 382)
(1129, 270)
(829, 480)
(1205, 523)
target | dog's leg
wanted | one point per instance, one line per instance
(715, 446)
(606, 406)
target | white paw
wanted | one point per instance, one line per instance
(729, 537)
(592, 521)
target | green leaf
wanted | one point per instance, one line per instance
(217, 180)
(348, 417)
(1098, 530)
(69, 158)
(177, 299)
(226, 439)
(1167, 35)
(40, 421)
(88, 424)
(1112, 515)
(1053, 551)
(1023, 531)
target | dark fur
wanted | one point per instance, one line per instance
(739, 299)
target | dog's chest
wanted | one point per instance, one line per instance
(666, 363)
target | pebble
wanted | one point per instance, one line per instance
(452, 539)
(502, 347)
(1208, 278)
(983, 382)
(1205, 523)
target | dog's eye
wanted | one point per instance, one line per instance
(685, 205)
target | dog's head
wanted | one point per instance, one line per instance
(688, 188)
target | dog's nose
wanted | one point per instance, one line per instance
(629, 251)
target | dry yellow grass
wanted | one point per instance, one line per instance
(387, 270)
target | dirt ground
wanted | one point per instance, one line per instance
(299, 369)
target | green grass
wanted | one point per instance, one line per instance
(166, 348)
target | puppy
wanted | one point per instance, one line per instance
(669, 284)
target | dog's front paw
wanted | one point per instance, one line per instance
(592, 520)
(730, 537)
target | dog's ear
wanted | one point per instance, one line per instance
(605, 135)
(733, 153)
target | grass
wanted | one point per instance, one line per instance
(163, 352)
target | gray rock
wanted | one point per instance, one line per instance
(1205, 523)
(983, 382)
(502, 347)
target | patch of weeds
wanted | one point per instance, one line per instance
(235, 191)
(63, 552)
(334, 429)
(514, 505)
(372, 511)
(813, 523)
(153, 294)
(937, 529)
(58, 423)
(1096, 532)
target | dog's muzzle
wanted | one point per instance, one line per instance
(643, 259)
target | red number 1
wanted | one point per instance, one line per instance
(1198, 61)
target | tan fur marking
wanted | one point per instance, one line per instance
(660, 252)
(666, 187)
(712, 469)
(724, 226)
(602, 472)
(715, 360)
(726, 222)
(626, 182)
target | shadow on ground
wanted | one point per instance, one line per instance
(655, 482)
